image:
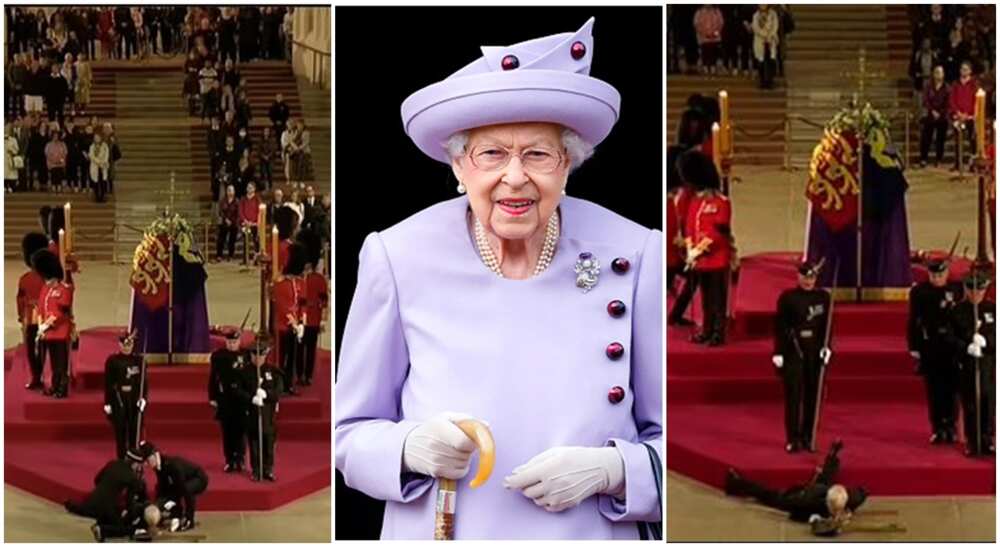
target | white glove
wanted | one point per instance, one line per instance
(261, 394)
(915, 354)
(438, 448)
(257, 401)
(142, 405)
(300, 331)
(778, 360)
(42, 328)
(974, 350)
(562, 477)
(214, 404)
(107, 409)
(825, 354)
(979, 340)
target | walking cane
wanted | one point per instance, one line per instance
(142, 388)
(976, 361)
(260, 425)
(822, 367)
(444, 517)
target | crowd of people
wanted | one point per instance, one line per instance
(71, 155)
(123, 32)
(738, 39)
(953, 48)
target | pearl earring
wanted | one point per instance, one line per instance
(460, 188)
(564, 191)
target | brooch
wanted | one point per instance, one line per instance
(587, 269)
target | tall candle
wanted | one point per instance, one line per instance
(981, 123)
(62, 250)
(262, 226)
(716, 152)
(724, 121)
(68, 210)
(274, 254)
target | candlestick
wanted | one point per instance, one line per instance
(716, 153)
(62, 250)
(68, 210)
(274, 254)
(261, 227)
(725, 139)
(981, 123)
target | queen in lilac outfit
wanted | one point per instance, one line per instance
(512, 304)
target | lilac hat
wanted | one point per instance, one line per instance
(541, 80)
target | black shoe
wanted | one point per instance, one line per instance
(229, 468)
(96, 530)
(701, 338)
(681, 322)
(239, 466)
(34, 385)
(792, 447)
(186, 524)
(732, 483)
(48, 392)
(269, 476)
(939, 437)
(308, 381)
(715, 341)
(291, 391)
(950, 436)
(59, 395)
(808, 446)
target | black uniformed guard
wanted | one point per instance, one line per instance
(118, 491)
(800, 350)
(931, 303)
(176, 479)
(260, 389)
(973, 336)
(820, 496)
(223, 382)
(125, 393)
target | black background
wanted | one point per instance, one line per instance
(386, 53)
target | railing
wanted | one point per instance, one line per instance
(318, 75)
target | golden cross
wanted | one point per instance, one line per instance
(173, 192)
(863, 75)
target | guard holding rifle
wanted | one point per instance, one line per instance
(125, 392)
(261, 386)
(801, 350)
(973, 336)
(931, 305)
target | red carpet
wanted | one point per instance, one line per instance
(725, 404)
(53, 448)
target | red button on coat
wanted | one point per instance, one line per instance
(620, 265)
(615, 351)
(616, 308)
(616, 395)
(509, 62)
(578, 50)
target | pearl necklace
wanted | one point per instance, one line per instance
(489, 258)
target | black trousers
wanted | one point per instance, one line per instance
(968, 141)
(801, 380)
(798, 500)
(936, 129)
(987, 401)
(685, 296)
(231, 423)
(100, 187)
(941, 383)
(36, 354)
(125, 423)
(269, 436)
(713, 301)
(194, 486)
(766, 69)
(291, 354)
(57, 174)
(226, 233)
(56, 110)
(309, 342)
(58, 352)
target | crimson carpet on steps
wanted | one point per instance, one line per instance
(725, 404)
(53, 448)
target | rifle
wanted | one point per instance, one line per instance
(142, 389)
(976, 361)
(822, 368)
(260, 424)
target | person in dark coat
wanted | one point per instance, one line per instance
(260, 389)
(973, 337)
(279, 114)
(56, 91)
(802, 501)
(227, 366)
(118, 489)
(176, 479)
(125, 391)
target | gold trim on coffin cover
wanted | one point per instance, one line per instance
(872, 294)
(179, 358)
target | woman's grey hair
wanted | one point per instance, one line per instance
(577, 149)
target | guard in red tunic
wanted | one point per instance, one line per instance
(317, 300)
(55, 314)
(29, 286)
(288, 299)
(708, 241)
(678, 198)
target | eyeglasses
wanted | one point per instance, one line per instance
(537, 159)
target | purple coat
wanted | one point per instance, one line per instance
(431, 329)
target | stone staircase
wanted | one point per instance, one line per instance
(757, 115)
(158, 139)
(822, 51)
